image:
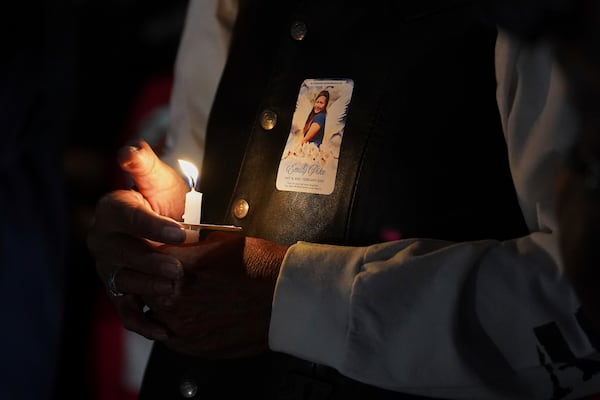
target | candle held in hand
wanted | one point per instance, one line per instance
(193, 199)
(193, 207)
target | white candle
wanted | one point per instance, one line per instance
(193, 199)
(193, 207)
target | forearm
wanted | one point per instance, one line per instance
(393, 309)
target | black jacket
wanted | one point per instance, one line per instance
(422, 153)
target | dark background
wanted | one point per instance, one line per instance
(118, 47)
(95, 61)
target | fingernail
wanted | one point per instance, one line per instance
(171, 269)
(124, 154)
(172, 234)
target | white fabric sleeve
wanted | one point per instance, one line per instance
(198, 67)
(477, 320)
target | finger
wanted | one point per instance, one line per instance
(131, 312)
(164, 187)
(219, 236)
(221, 339)
(120, 250)
(207, 252)
(189, 253)
(133, 282)
(126, 211)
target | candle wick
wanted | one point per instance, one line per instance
(193, 183)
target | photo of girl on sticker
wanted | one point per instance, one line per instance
(314, 128)
(309, 161)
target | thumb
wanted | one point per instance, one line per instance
(160, 184)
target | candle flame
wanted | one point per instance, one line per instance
(190, 171)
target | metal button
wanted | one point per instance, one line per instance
(268, 120)
(188, 388)
(298, 30)
(240, 208)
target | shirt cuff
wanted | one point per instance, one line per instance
(311, 305)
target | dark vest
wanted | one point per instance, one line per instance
(422, 155)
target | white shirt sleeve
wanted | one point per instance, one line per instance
(198, 67)
(478, 320)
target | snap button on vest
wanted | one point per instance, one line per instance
(188, 388)
(298, 30)
(240, 208)
(268, 120)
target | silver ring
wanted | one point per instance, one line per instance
(110, 284)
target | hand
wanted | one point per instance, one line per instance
(126, 224)
(161, 185)
(222, 308)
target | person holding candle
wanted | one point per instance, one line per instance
(413, 278)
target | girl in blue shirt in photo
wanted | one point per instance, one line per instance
(314, 129)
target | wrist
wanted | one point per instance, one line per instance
(263, 258)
